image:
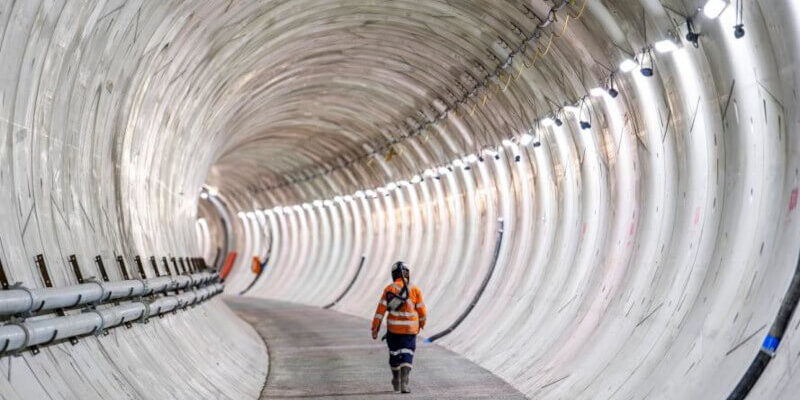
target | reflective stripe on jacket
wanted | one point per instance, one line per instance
(406, 320)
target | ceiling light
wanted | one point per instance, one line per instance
(297, 208)
(458, 163)
(738, 31)
(371, 193)
(525, 139)
(328, 203)
(666, 46)
(597, 92)
(391, 186)
(348, 198)
(507, 142)
(443, 170)
(627, 65)
(287, 209)
(203, 195)
(360, 194)
(251, 215)
(307, 206)
(714, 8)
(472, 158)
(318, 203)
(547, 121)
(416, 179)
(429, 173)
(240, 214)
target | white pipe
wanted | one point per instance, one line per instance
(23, 301)
(20, 335)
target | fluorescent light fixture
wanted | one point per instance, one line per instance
(429, 173)
(547, 121)
(328, 203)
(665, 46)
(597, 92)
(714, 8)
(240, 214)
(337, 199)
(383, 191)
(360, 194)
(317, 203)
(203, 195)
(526, 139)
(391, 186)
(297, 208)
(371, 193)
(251, 215)
(472, 158)
(268, 212)
(348, 198)
(307, 206)
(443, 170)
(287, 209)
(458, 163)
(212, 191)
(402, 183)
(628, 65)
(416, 179)
(507, 142)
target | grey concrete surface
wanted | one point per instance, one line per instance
(322, 354)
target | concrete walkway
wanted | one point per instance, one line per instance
(321, 354)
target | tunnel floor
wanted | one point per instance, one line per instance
(319, 354)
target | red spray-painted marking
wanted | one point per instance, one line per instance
(228, 265)
(793, 200)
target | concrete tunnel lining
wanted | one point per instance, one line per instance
(644, 257)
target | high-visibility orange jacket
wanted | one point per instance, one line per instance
(409, 318)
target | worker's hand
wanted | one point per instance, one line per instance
(422, 325)
(375, 334)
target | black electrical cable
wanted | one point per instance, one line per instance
(347, 289)
(773, 339)
(477, 297)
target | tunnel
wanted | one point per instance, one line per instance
(204, 199)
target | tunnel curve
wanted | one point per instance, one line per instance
(650, 232)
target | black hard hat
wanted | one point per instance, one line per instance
(399, 266)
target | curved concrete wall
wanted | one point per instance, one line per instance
(93, 161)
(645, 257)
(641, 258)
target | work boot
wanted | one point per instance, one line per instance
(404, 373)
(396, 380)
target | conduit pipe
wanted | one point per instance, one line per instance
(20, 335)
(20, 300)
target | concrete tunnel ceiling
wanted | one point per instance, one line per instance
(648, 238)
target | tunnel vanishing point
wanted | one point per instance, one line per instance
(202, 199)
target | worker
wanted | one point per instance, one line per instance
(407, 315)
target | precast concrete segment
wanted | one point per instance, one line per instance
(651, 234)
(317, 353)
